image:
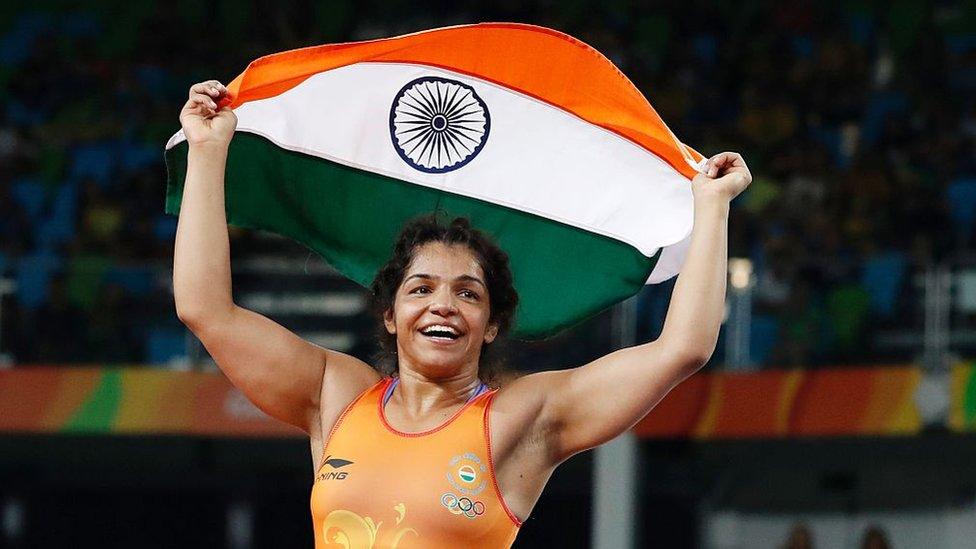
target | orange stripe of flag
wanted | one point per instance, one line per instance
(539, 62)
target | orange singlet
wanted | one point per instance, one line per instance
(381, 488)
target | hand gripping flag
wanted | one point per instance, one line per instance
(533, 135)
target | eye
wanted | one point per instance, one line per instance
(418, 288)
(469, 293)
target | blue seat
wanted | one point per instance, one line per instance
(137, 156)
(830, 138)
(137, 281)
(17, 45)
(165, 228)
(882, 276)
(95, 161)
(153, 79)
(763, 336)
(165, 344)
(802, 46)
(961, 195)
(80, 24)
(33, 273)
(881, 106)
(60, 226)
(30, 195)
(860, 27)
(706, 48)
(961, 43)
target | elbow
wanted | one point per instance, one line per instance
(693, 359)
(688, 357)
(704, 353)
(190, 317)
(695, 362)
(195, 318)
(698, 357)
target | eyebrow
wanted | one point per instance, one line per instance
(432, 277)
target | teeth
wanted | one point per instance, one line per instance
(440, 327)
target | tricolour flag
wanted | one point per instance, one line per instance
(533, 135)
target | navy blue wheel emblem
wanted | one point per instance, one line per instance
(438, 125)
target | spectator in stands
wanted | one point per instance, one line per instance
(875, 538)
(800, 538)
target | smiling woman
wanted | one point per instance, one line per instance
(421, 452)
(483, 283)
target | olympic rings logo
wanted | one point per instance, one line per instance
(462, 506)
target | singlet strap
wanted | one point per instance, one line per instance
(389, 391)
(483, 388)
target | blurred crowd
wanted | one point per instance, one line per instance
(858, 121)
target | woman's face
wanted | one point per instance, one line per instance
(443, 287)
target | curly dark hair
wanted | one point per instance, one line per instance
(502, 297)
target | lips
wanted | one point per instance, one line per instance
(441, 334)
(440, 330)
(441, 340)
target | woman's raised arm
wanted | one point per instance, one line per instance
(589, 405)
(278, 371)
(201, 259)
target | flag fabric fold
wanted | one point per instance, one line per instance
(534, 136)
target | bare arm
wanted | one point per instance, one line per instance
(201, 258)
(587, 406)
(278, 371)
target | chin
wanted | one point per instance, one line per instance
(440, 364)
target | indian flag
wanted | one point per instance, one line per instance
(533, 135)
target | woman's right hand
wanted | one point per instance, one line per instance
(203, 122)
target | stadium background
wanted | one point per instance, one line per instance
(841, 395)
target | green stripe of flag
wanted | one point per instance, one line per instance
(351, 217)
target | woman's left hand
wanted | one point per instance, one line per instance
(725, 175)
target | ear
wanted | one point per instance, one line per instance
(388, 321)
(491, 333)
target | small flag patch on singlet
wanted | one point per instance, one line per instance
(467, 473)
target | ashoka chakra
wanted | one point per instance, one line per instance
(437, 124)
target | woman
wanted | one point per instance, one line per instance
(431, 458)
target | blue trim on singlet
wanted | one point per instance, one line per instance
(389, 391)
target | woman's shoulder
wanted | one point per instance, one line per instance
(521, 391)
(345, 377)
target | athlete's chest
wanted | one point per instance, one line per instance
(416, 490)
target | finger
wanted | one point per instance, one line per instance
(711, 168)
(217, 88)
(728, 161)
(198, 108)
(728, 158)
(200, 87)
(706, 167)
(210, 87)
(204, 100)
(194, 106)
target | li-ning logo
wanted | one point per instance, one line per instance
(334, 463)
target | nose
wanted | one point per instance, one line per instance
(443, 303)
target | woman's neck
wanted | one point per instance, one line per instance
(418, 395)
